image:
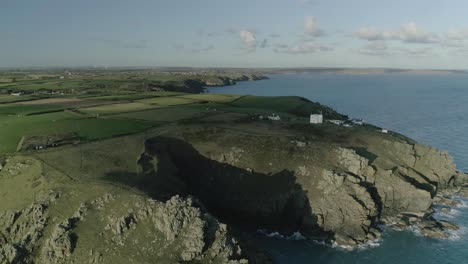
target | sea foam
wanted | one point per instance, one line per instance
(294, 236)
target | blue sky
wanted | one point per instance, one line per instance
(221, 33)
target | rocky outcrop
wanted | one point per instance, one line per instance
(197, 83)
(231, 80)
(187, 231)
(338, 186)
(21, 230)
(328, 191)
(79, 224)
(180, 233)
(178, 220)
(59, 246)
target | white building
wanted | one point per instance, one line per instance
(336, 122)
(385, 131)
(274, 117)
(357, 121)
(316, 118)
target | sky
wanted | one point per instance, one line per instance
(417, 34)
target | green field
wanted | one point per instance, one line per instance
(218, 98)
(12, 128)
(97, 104)
(117, 108)
(17, 109)
(110, 82)
(6, 98)
(31, 85)
(132, 97)
(168, 114)
(127, 117)
(168, 101)
(279, 104)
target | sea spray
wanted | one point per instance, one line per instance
(294, 236)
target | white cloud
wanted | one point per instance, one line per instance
(248, 39)
(380, 48)
(456, 35)
(301, 48)
(375, 48)
(371, 34)
(409, 33)
(311, 26)
(419, 52)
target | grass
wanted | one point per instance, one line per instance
(17, 109)
(132, 97)
(117, 108)
(278, 104)
(168, 101)
(6, 98)
(120, 97)
(293, 105)
(218, 98)
(12, 128)
(30, 85)
(124, 111)
(98, 128)
(16, 120)
(167, 114)
(110, 81)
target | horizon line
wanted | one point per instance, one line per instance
(101, 67)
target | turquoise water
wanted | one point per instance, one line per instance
(432, 109)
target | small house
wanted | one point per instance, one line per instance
(316, 118)
(274, 117)
(385, 131)
(336, 122)
(357, 121)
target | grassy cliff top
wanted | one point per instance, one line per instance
(98, 116)
(114, 82)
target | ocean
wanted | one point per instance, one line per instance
(432, 109)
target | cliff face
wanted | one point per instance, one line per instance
(65, 221)
(231, 80)
(171, 193)
(328, 190)
(197, 84)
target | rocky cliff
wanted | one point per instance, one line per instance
(197, 83)
(62, 221)
(183, 196)
(337, 191)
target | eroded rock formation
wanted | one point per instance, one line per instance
(333, 192)
(172, 208)
(81, 224)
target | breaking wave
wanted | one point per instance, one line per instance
(463, 203)
(297, 236)
(294, 236)
(457, 234)
(450, 213)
